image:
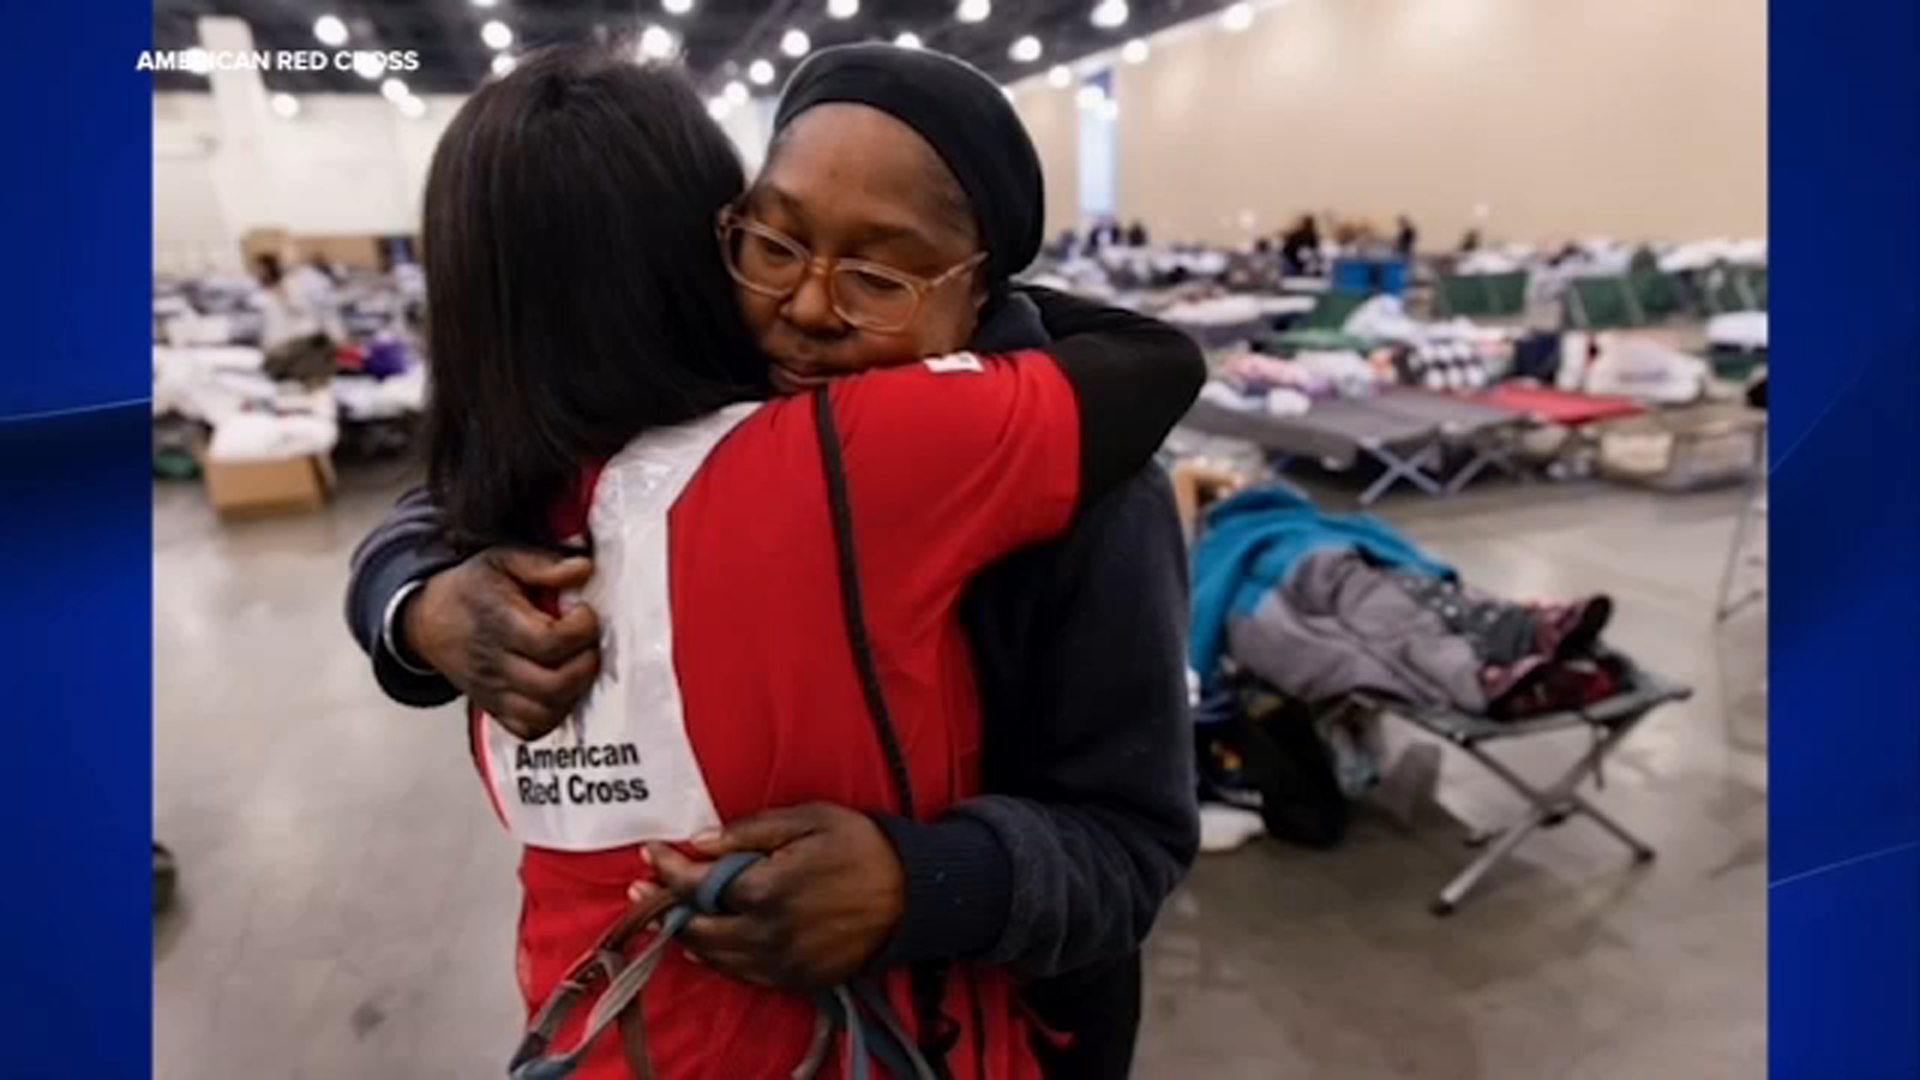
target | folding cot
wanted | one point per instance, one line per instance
(1219, 335)
(1549, 405)
(1487, 432)
(1610, 721)
(1657, 293)
(1603, 303)
(1725, 287)
(1405, 431)
(1484, 295)
(1579, 413)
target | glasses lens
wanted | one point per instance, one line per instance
(872, 299)
(764, 261)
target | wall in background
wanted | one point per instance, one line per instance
(348, 164)
(1626, 118)
(1054, 122)
(189, 224)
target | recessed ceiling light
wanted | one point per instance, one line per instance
(503, 65)
(718, 108)
(657, 43)
(412, 108)
(843, 9)
(1108, 14)
(908, 40)
(1135, 51)
(393, 90)
(761, 72)
(369, 65)
(1026, 50)
(330, 30)
(486, 4)
(1060, 77)
(677, 7)
(285, 106)
(1237, 18)
(973, 11)
(736, 93)
(496, 34)
(795, 43)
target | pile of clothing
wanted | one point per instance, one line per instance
(1637, 366)
(1251, 381)
(1443, 363)
(1454, 355)
(1701, 254)
(1324, 605)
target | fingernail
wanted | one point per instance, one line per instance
(638, 891)
(646, 855)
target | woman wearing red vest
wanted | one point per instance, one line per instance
(594, 382)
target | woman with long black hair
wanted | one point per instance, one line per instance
(594, 382)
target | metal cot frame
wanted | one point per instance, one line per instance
(1611, 721)
(1408, 442)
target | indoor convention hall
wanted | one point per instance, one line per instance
(1249, 556)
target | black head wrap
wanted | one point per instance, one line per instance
(961, 113)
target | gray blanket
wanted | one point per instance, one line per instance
(1337, 624)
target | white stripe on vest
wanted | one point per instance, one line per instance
(621, 770)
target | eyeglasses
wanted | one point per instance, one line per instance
(865, 294)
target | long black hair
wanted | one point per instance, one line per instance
(576, 295)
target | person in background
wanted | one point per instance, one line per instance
(1300, 247)
(1065, 246)
(1096, 240)
(1086, 819)
(406, 280)
(1137, 234)
(324, 266)
(1406, 238)
(1470, 243)
(286, 315)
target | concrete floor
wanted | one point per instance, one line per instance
(348, 902)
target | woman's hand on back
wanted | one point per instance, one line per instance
(478, 625)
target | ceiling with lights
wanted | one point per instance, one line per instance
(461, 42)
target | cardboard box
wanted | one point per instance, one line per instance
(248, 488)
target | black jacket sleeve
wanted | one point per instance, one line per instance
(1092, 819)
(1134, 378)
(401, 549)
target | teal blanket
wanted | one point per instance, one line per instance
(1250, 542)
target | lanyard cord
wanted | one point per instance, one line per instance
(928, 979)
(853, 610)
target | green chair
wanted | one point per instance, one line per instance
(1723, 288)
(1464, 294)
(1332, 310)
(1756, 279)
(1506, 294)
(1658, 294)
(1602, 303)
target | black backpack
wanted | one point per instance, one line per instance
(1270, 744)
